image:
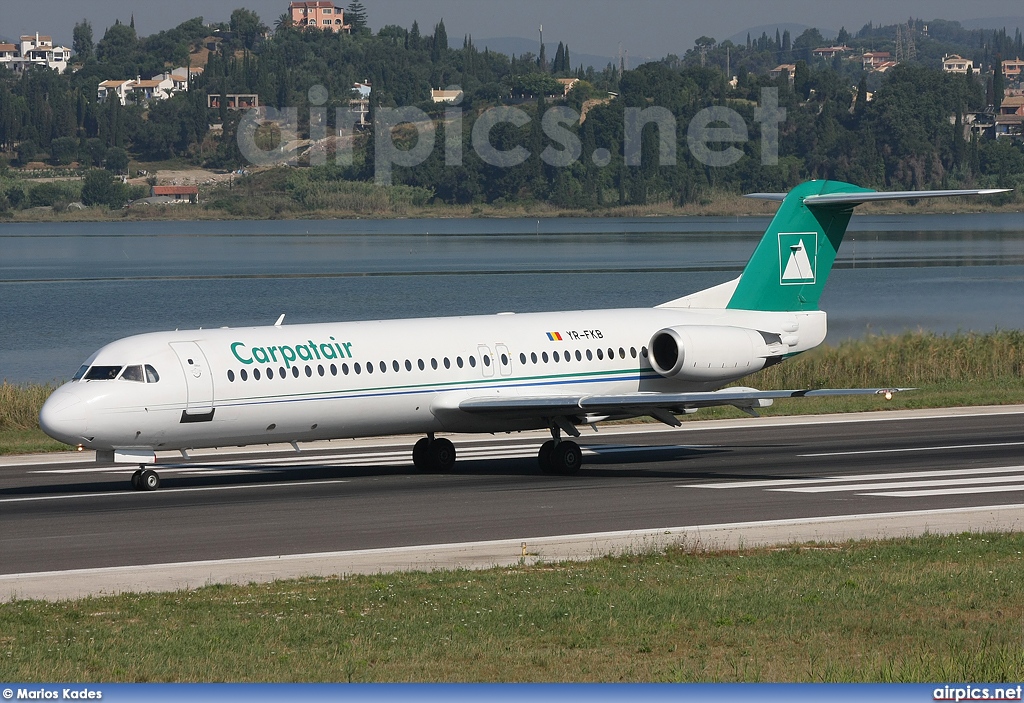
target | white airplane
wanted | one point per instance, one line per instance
(502, 373)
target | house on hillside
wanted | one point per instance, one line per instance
(446, 96)
(235, 101)
(319, 14)
(954, 63)
(1011, 126)
(1012, 105)
(118, 90)
(183, 194)
(873, 59)
(788, 68)
(830, 52)
(34, 50)
(1012, 70)
(567, 84)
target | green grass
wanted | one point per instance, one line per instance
(925, 609)
(947, 371)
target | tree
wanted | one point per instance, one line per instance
(27, 151)
(119, 46)
(355, 15)
(997, 82)
(247, 26)
(284, 21)
(440, 47)
(81, 42)
(842, 37)
(117, 160)
(100, 188)
(63, 150)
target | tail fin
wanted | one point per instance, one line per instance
(790, 266)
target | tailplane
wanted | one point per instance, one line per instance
(790, 267)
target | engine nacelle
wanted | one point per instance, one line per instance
(706, 353)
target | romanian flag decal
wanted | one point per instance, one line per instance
(554, 336)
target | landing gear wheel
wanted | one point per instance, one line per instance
(137, 480)
(441, 454)
(544, 457)
(149, 480)
(566, 458)
(421, 454)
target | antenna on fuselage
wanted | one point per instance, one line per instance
(280, 320)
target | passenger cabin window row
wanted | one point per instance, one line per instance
(369, 367)
(137, 373)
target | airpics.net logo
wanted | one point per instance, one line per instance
(798, 258)
(711, 135)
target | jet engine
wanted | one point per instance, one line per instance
(707, 353)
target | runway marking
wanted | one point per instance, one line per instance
(915, 449)
(162, 491)
(901, 484)
(769, 483)
(950, 491)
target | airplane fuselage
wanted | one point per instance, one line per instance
(258, 385)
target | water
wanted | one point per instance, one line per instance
(66, 289)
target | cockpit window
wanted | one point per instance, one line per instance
(81, 372)
(133, 373)
(103, 373)
(151, 375)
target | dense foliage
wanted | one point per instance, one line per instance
(910, 136)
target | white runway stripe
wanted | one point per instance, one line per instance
(916, 449)
(163, 491)
(856, 477)
(951, 491)
(902, 484)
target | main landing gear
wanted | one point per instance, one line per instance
(433, 455)
(558, 456)
(145, 479)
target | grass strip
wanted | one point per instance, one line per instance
(908, 610)
(962, 369)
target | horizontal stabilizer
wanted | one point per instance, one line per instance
(867, 197)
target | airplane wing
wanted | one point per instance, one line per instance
(657, 405)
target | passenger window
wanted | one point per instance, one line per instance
(81, 372)
(487, 360)
(396, 366)
(522, 358)
(590, 355)
(419, 363)
(533, 357)
(231, 375)
(359, 369)
(632, 352)
(256, 374)
(622, 353)
(244, 374)
(320, 369)
(433, 364)
(334, 370)
(643, 352)
(344, 369)
(579, 356)
(544, 357)
(555, 356)
(504, 359)
(408, 365)
(102, 373)
(295, 371)
(472, 362)
(383, 367)
(133, 373)
(270, 373)
(309, 371)
(600, 355)
(282, 372)
(447, 363)
(458, 361)
(369, 367)
(611, 354)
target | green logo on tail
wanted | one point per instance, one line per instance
(798, 258)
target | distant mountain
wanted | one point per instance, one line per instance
(1011, 23)
(795, 30)
(519, 46)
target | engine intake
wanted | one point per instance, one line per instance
(706, 353)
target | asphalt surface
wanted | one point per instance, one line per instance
(65, 512)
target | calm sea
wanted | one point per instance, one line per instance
(66, 289)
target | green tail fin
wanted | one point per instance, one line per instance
(790, 266)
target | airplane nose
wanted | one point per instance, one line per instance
(63, 417)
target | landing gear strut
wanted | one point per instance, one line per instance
(433, 455)
(145, 479)
(558, 456)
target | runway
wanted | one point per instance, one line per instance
(62, 513)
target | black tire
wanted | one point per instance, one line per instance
(567, 458)
(149, 480)
(421, 454)
(137, 480)
(544, 457)
(442, 455)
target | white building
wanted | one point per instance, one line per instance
(34, 50)
(954, 63)
(160, 87)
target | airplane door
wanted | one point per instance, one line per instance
(198, 378)
(504, 360)
(486, 363)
